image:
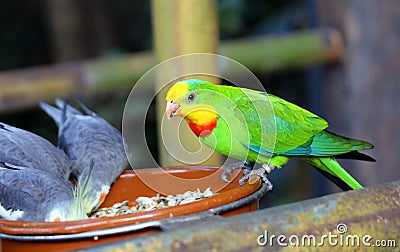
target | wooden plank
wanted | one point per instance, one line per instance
(361, 94)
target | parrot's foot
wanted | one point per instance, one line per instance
(253, 175)
(262, 173)
(247, 168)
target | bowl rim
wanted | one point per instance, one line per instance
(205, 208)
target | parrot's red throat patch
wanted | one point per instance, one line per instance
(203, 130)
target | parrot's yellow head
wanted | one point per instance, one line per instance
(186, 98)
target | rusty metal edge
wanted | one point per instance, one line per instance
(373, 211)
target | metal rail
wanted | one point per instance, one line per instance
(355, 219)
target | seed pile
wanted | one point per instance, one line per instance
(143, 204)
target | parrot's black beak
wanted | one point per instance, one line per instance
(172, 109)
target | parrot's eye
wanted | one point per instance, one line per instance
(191, 97)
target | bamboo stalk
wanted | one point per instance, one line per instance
(294, 50)
(182, 27)
(23, 88)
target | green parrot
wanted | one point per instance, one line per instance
(262, 128)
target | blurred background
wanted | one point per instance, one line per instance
(338, 59)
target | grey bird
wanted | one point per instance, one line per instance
(29, 194)
(24, 148)
(86, 137)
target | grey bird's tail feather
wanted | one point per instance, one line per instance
(84, 108)
(53, 112)
(70, 110)
(58, 115)
(64, 107)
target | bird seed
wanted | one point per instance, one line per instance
(143, 204)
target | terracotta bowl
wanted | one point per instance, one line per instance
(49, 236)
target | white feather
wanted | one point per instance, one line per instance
(10, 214)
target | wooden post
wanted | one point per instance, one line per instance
(65, 26)
(69, 32)
(182, 27)
(362, 93)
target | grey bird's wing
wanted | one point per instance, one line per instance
(88, 138)
(28, 194)
(27, 149)
(85, 138)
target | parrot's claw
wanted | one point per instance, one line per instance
(253, 175)
(228, 171)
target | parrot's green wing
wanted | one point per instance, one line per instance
(293, 125)
(255, 113)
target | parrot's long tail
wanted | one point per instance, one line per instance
(332, 169)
